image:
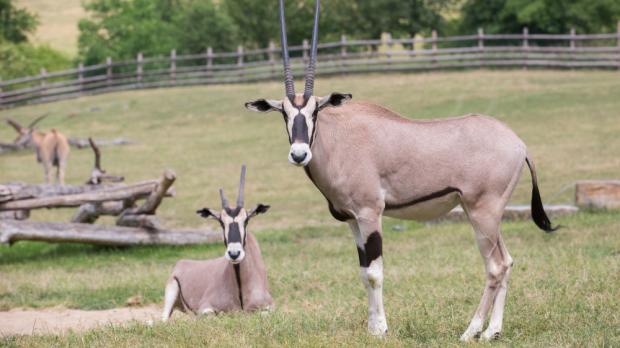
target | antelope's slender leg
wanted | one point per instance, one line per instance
(61, 171)
(47, 167)
(367, 233)
(497, 268)
(171, 296)
(497, 315)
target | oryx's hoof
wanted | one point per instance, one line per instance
(377, 327)
(489, 335)
(470, 335)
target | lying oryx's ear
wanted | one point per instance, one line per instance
(334, 99)
(264, 105)
(206, 213)
(260, 209)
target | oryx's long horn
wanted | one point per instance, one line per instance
(33, 123)
(223, 198)
(289, 84)
(14, 124)
(241, 187)
(310, 71)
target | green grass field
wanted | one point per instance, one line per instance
(563, 289)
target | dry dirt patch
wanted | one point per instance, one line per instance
(58, 320)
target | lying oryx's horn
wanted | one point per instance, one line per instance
(33, 123)
(224, 200)
(289, 84)
(310, 71)
(241, 187)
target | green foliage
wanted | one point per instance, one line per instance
(24, 59)
(540, 16)
(15, 23)
(121, 29)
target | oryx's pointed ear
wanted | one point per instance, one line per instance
(264, 105)
(206, 213)
(260, 209)
(334, 99)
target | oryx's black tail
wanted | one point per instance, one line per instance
(538, 212)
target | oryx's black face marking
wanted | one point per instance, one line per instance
(300, 116)
(234, 222)
(373, 249)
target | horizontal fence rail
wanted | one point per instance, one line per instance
(524, 50)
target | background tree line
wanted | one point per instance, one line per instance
(122, 28)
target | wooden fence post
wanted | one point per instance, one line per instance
(43, 80)
(618, 33)
(305, 47)
(139, 67)
(271, 52)
(108, 70)
(481, 45)
(343, 46)
(434, 44)
(209, 59)
(81, 75)
(272, 57)
(239, 55)
(572, 38)
(173, 65)
(526, 46)
(388, 43)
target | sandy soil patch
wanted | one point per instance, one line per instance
(58, 320)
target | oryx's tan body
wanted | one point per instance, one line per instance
(52, 149)
(210, 286)
(390, 160)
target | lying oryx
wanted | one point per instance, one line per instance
(369, 161)
(52, 148)
(236, 281)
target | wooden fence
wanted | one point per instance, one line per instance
(570, 51)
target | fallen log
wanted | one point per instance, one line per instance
(90, 212)
(20, 191)
(81, 143)
(117, 192)
(12, 231)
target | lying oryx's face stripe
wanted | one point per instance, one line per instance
(234, 221)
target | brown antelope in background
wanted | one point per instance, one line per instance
(236, 281)
(369, 161)
(52, 148)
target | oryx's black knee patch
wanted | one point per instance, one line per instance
(373, 248)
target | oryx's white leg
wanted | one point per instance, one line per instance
(171, 296)
(497, 315)
(62, 165)
(47, 167)
(367, 233)
(497, 263)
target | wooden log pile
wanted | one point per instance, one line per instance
(135, 224)
(103, 194)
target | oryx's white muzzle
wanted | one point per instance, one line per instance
(234, 253)
(300, 154)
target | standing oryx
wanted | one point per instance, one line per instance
(369, 161)
(52, 148)
(236, 281)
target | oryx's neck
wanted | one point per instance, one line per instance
(252, 274)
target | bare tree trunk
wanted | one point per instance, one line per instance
(12, 231)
